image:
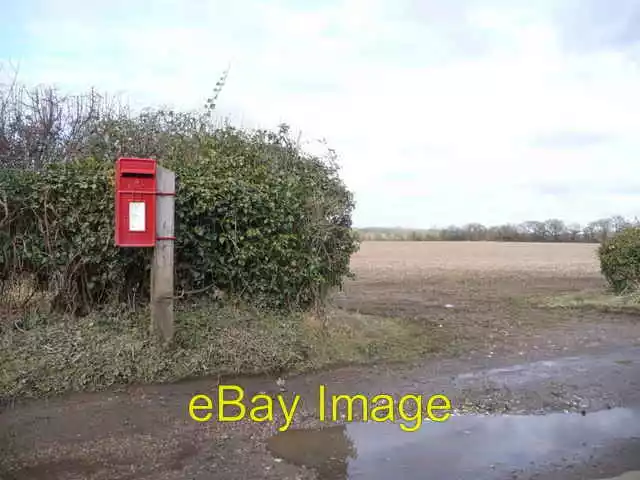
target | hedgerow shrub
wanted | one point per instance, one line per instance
(620, 260)
(256, 216)
(60, 228)
(275, 231)
(263, 223)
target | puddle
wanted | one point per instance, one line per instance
(627, 476)
(464, 447)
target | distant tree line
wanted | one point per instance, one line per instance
(552, 230)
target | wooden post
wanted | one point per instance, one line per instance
(162, 268)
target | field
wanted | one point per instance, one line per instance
(416, 257)
(485, 296)
(435, 273)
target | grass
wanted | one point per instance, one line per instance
(42, 355)
(593, 299)
(352, 338)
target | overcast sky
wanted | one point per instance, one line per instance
(442, 111)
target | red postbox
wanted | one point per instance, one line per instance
(135, 202)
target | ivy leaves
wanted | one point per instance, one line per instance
(255, 216)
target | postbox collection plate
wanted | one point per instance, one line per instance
(135, 208)
(136, 217)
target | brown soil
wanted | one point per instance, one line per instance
(483, 293)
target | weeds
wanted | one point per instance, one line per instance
(108, 348)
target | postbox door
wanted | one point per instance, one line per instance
(135, 203)
(136, 213)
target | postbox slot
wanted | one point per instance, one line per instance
(137, 174)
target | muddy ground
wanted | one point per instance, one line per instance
(501, 353)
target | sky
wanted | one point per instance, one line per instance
(441, 112)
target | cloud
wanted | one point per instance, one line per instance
(441, 112)
(568, 139)
(618, 187)
(587, 25)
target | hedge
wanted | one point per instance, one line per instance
(620, 260)
(255, 217)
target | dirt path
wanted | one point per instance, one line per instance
(145, 432)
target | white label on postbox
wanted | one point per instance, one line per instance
(136, 217)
